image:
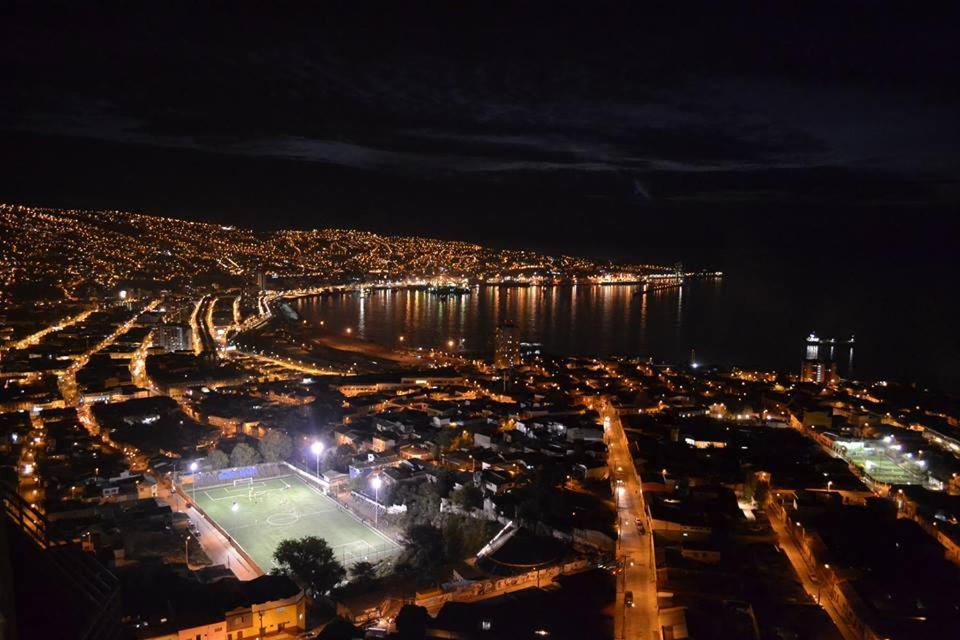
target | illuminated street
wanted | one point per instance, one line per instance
(634, 548)
(480, 321)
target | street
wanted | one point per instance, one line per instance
(811, 582)
(214, 544)
(640, 621)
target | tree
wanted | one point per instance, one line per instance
(243, 455)
(453, 543)
(363, 571)
(339, 629)
(422, 548)
(276, 446)
(540, 499)
(468, 497)
(423, 505)
(464, 536)
(339, 459)
(412, 622)
(445, 482)
(218, 460)
(309, 562)
(445, 438)
(756, 488)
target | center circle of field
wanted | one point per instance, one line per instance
(282, 519)
(275, 508)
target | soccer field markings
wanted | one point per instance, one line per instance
(290, 495)
(239, 493)
(296, 515)
(259, 489)
(383, 536)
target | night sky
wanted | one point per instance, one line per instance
(607, 129)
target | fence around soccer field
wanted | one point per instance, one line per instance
(266, 470)
(345, 505)
(262, 471)
(371, 554)
(223, 532)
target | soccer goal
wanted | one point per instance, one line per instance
(243, 482)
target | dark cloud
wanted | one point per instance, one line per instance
(824, 104)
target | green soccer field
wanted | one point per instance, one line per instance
(261, 514)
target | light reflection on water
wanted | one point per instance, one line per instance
(759, 317)
(582, 319)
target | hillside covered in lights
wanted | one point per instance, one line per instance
(65, 253)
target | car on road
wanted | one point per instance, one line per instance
(639, 522)
(628, 598)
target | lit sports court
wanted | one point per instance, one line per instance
(259, 513)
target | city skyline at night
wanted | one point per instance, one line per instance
(486, 321)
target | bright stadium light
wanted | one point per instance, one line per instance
(375, 482)
(317, 449)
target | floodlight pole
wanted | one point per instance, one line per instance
(317, 449)
(193, 480)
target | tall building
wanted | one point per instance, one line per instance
(261, 281)
(506, 347)
(818, 372)
(820, 356)
(173, 337)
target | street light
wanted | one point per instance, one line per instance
(186, 551)
(375, 482)
(193, 478)
(317, 449)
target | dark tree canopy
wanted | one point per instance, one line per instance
(423, 547)
(422, 501)
(363, 571)
(218, 460)
(311, 563)
(276, 446)
(243, 455)
(412, 622)
(468, 497)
